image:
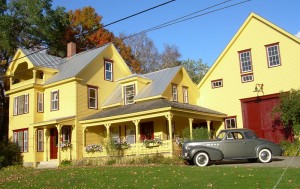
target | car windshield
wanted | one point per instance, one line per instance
(221, 135)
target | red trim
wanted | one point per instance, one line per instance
(22, 130)
(112, 69)
(37, 140)
(241, 69)
(230, 117)
(187, 94)
(88, 92)
(275, 95)
(175, 100)
(217, 80)
(247, 75)
(267, 54)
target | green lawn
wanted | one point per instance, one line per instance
(150, 177)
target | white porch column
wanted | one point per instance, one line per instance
(84, 139)
(137, 130)
(107, 126)
(34, 146)
(191, 127)
(169, 117)
(58, 127)
(208, 127)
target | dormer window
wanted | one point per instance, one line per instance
(174, 92)
(108, 72)
(129, 93)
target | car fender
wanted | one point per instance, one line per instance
(275, 149)
(213, 153)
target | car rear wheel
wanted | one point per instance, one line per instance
(201, 159)
(264, 155)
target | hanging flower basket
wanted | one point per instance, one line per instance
(152, 142)
(65, 145)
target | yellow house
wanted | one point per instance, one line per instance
(147, 113)
(259, 62)
(49, 95)
(59, 107)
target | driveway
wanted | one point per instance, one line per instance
(277, 161)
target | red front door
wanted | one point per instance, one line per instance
(53, 143)
(147, 131)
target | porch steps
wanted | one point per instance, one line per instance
(53, 163)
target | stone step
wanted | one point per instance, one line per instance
(48, 164)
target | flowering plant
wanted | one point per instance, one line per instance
(65, 144)
(121, 144)
(179, 141)
(93, 148)
(155, 141)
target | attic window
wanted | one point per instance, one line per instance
(129, 92)
(273, 55)
(245, 61)
(174, 92)
(108, 72)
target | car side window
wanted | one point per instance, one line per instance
(249, 135)
(234, 136)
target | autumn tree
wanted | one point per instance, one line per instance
(196, 69)
(87, 32)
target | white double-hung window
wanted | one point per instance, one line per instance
(129, 92)
(54, 100)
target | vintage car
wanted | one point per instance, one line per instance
(230, 144)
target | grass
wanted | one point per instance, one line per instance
(150, 176)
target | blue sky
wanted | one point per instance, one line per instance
(203, 37)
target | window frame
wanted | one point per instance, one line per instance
(185, 94)
(16, 137)
(174, 92)
(126, 95)
(245, 75)
(40, 140)
(54, 100)
(241, 63)
(231, 118)
(106, 61)
(268, 57)
(66, 133)
(40, 102)
(90, 98)
(214, 82)
(21, 105)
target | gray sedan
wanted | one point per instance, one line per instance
(230, 144)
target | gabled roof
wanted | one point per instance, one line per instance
(76, 64)
(159, 82)
(42, 59)
(235, 37)
(150, 105)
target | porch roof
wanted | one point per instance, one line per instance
(65, 120)
(150, 105)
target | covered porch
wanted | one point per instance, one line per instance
(53, 141)
(144, 128)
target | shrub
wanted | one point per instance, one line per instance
(198, 134)
(290, 149)
(10, 154)
(66, 163)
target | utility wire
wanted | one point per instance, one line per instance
(102, 26)
(124, 18)
(178, 20)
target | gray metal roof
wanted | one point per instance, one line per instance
(73, 66)
(149, 105)
(42, 59)
(160, 80)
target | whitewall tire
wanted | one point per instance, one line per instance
(264, 155)
(201, 159)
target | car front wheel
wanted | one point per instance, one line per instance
(264, 155)
(201, 159)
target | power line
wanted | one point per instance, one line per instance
(178, 20)
(175, 21)
(103, 26)
(125, 18)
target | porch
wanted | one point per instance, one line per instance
(53, 141)
(132, 130)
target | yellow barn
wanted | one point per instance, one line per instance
(245, 81)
